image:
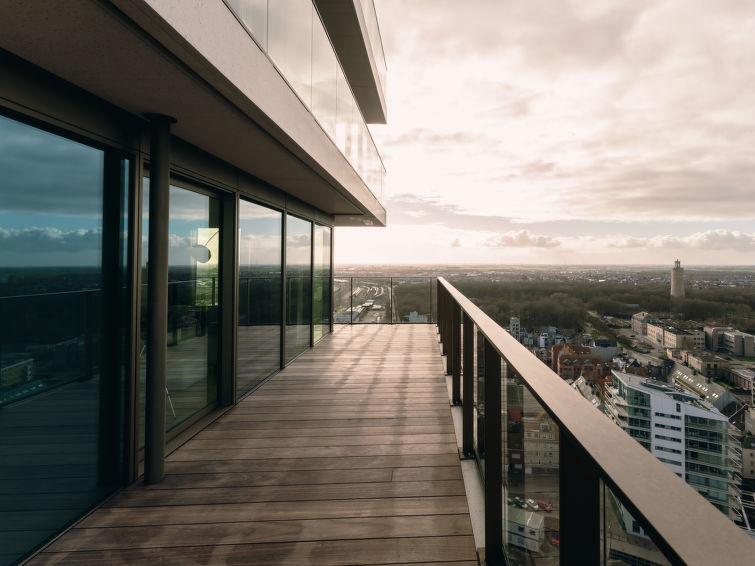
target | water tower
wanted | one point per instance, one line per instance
(677, 280)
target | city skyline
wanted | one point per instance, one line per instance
(564, 133)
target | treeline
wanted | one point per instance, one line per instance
(565, 304)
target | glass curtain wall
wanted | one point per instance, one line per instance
(321, 290)
(298, 285)
(259, 302)
(63, 332)
(193, 305)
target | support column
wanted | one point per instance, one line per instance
(157, 304)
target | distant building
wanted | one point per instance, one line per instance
(677, 280)
(706, 364)
(682, 430)
(514, 327)
(748, 457)
(739, 343)
(640, 323)
(742, 378)
(571, 361)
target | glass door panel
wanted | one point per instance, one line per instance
(298, 285)
(259, 303)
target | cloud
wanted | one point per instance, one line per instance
(407, 208)
(708, 241)
(43, 240)
(522, 239)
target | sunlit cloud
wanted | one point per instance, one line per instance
(522, 239)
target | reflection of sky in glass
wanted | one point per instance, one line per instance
(50, 199)
(298, 241)
(188, 228)
(259, 235)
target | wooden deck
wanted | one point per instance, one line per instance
(348, 456)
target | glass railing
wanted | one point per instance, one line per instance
(293, 36)
(562, 484)
(384, 300)
(376, 40)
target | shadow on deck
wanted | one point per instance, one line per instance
(348, 456)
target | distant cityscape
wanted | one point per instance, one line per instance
(682, 388)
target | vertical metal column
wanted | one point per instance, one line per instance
(579, 493)
(157, 304)
(455, 353)
(468, 387)
(493, 460)
(312, 235)
(229, 298)
(284, 287)
(331, 277)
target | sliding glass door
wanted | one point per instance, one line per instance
(63, 332)
(193, 304)
(259, 302)
(298, 285)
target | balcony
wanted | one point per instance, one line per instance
(292, 34)
(351, 455)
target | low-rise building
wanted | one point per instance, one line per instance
(742, 378)
(640, 323)
(739, 343)
(706, 364)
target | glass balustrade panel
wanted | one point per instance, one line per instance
(372, 301)
(530, 460)
(622, 537)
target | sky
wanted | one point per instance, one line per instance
(565, 132)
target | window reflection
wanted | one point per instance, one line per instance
(259, 303)
(322, 282)
(193, 304)
(62, 293)
(298, 285)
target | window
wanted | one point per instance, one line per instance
(63, 333)
(298, 285)
(193, 304)
(259, 302)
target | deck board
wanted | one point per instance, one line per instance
(347, 456)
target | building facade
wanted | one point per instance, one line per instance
(171, 175)
(684, 432)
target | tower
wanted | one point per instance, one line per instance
(677, 280)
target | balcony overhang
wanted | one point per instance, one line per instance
(348, 33)
(195, 62)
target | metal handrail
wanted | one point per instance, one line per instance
(684, 526)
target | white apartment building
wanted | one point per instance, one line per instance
(683, 431)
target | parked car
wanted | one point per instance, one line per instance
(532, 505)
(519, 503)
(544, 505)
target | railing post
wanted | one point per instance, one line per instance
(493, 480)
(579, 498)
(455, 357)
(468, 387)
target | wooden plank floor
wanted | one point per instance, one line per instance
(348, 456)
